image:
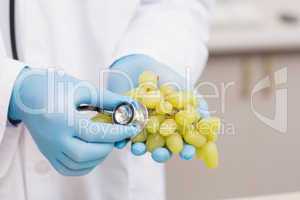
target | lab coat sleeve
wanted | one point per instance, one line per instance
(174, 32)
(9, 70)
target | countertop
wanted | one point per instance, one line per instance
(288, 196)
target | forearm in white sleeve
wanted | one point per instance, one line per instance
(174, 32)
(9, 70)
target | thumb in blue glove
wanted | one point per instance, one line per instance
(72, 143)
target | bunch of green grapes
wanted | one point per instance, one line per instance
(173, 120)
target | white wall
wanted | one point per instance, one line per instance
(257, 160)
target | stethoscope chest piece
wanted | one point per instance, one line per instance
(134, 114)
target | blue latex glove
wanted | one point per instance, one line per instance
(72, 143)
(133, 66)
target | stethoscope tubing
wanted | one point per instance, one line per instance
(12, 26)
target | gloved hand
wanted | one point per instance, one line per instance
(46, 102)
(124, 76)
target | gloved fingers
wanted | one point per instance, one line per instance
(101, 98)
(121, 144)
(133, 65)
(74, 165)
(126, 71)
(161, 155)
(204, 113)
(64, 170)
(109, 100)
(188, 152)
(203, 108)
(202, 104)
(138, 148)
(90, 131)
(84, 93)
(81, 151)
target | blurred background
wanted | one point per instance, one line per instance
(252, 82)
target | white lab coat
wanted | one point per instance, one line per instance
(82, 37)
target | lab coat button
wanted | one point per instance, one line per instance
(42, 167)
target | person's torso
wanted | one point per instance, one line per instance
(79, 36)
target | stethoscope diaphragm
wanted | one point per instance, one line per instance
(125, 113)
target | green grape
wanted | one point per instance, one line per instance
(209, 126)
(151, 99)
(181, 119)
(136, 93)
(194, 138)
(152, 112)
(192, 110)
(174, 143)
(168, 127)
(216, 124)
(212, 137)
(148, 76)
(185, 117)
(193, 114)
(141, 137)
(199, 153)
(186, 128)
(190, 99)
(161, 118)
(176, 99)
(154, 141)
(101, 117)
(164, 107)
(180, 130)
(153, 124)
(210, 155)
(167, 89)
(148, 86)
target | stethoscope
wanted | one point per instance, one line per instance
(13, 30)
(124, 113)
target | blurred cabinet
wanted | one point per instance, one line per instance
(255, 159)
(255, 25)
